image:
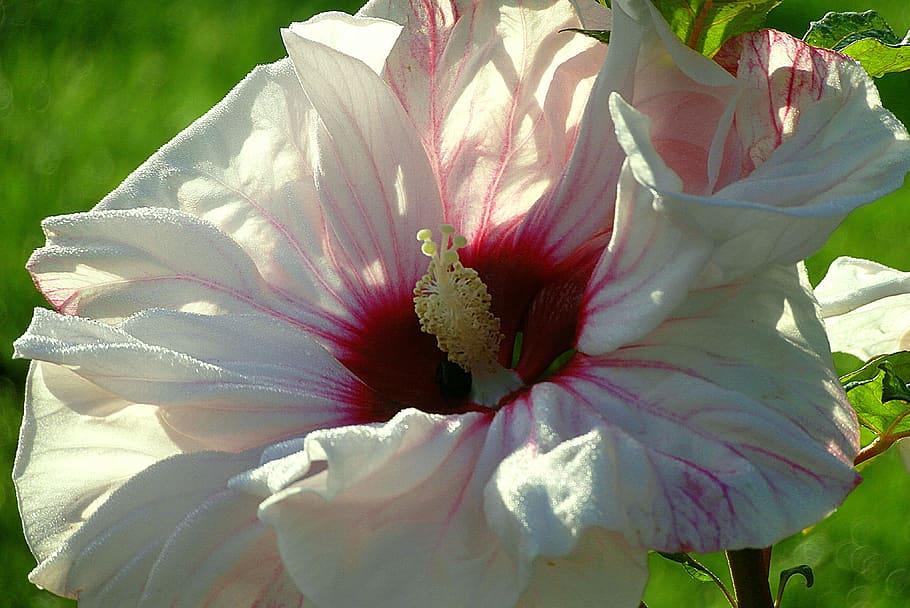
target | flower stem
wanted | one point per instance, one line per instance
(749, 569)
(879, 445)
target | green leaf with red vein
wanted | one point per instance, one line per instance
(705, 25)
(866, 37)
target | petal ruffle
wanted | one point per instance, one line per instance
(770, 178)
(866, 307)
(602, 565)
(496, 91)
(399, 508)
(723, 428)
(228, 382)
(394, 507)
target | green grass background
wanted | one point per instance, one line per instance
(89, 89)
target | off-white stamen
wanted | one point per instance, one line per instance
(453, 304)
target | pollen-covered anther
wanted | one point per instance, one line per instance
(453, 304)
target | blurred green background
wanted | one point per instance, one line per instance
(89, 89)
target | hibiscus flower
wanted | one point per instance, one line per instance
(259, 389)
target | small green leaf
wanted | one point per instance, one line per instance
(605, 3)
(599, 35)
(516, 348)
(879, 59)
(559, 363)
(837, 30)
(866, 37)
(785, 575)
(693, 568)
(705, 25)
(699, 572)
(899, 363)
(882, 402)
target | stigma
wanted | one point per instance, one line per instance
(453, 304)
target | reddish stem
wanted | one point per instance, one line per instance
(749, 569)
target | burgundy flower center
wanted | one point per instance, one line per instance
(532, 297)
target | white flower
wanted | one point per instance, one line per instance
(237, 406)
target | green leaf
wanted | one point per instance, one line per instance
(837, 30)
(879, 59)
(559, 363)
(899, 362)
(882, 403)
(693, 568)
(605, 3)
(845, 363)
(866, 37)
(699, 572)
(705, 25)
(785, 575)
(599, 35)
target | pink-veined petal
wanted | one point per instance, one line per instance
(797, 140)
(496, 92)
(229, 382)
(723, 428)
(394, 507)
(646, 270)
(372, 176)
(866, 307)
(583, 203)
(245, 167)
(110, 264)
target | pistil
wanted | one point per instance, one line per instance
(453, 304)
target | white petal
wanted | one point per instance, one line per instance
(367, 39)
(765, 174)
(111, 264)
(221, 556)
(373, 179)
(78, 444)
(230, 381)
(602, 566)
(644, 273)
(724, 428)
(111, 553)
(395, 508)
(866, 307)
(496, 91)
(246, 168)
